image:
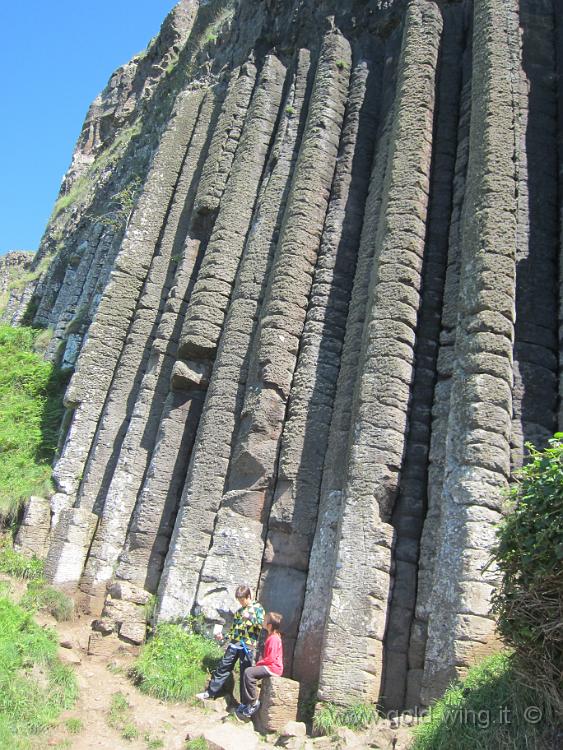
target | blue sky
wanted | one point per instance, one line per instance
(55, 57)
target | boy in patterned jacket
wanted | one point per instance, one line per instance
(242, 641)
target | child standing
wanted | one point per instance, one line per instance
(270, 664)
(243, 637)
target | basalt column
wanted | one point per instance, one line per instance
(307, 660)
(131, 464)
(303, 445)
(362, 578)
(535, 346)
(237, 545)
(477, 461)
(153, 519)
(88, 390)
(409, 511)
(201, 334)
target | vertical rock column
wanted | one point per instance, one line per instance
(441, 405)
(535, 348)
(238, 538)
(409, 512)
(558, 15)
(100, 355)
(202, 330)
(153, 519)
(307, 657)
(305, 434)
(135, 450)
(352, 652)
(477, 461)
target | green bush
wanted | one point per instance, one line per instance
(31, 408)
(175, 664)
(41, 596)
(34, 686)
(329, 717)
(491, 709)
(529, 601)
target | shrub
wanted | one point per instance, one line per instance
(175, 663)
(41, 596)
(529, 554)
(329, 717)
(491, 709)
(34, 686)
(31, 409)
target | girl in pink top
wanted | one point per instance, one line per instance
(270, 664)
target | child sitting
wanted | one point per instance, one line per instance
(270, 664)
(243, 637)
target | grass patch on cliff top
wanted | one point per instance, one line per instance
(175, 664)
(31, 391)
(491, 709)
(34, 686)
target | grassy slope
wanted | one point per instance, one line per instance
(490, 710)
(30, 414)
(34, 686)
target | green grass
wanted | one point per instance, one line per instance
(199, 743)
(41, 596)
(491, 709)
(14, 564)
(175, 664)
(119, 717)
(34, 686)
(153, 743)
(74, 725)
(31, 408)
(329, 717)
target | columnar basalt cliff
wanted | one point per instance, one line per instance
(305, 267)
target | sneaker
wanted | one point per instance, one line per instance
(239, 712)
(203, 696)
(250, 710)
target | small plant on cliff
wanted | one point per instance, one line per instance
(30, 413)
(529, 601)
(175, 663)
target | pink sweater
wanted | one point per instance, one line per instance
(273, 655)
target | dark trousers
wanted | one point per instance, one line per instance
(249, 692)
(221, 680)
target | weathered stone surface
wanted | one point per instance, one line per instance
(33, 534)
(278, 704)
(362, 581)
(228, 737)
(305, 267)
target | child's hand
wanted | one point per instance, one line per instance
(218, 637)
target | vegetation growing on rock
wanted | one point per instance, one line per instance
(529, 602)
(30, 414)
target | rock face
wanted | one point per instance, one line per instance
(16, 290)
(305, 268)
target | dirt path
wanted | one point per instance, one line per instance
(99, 680)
